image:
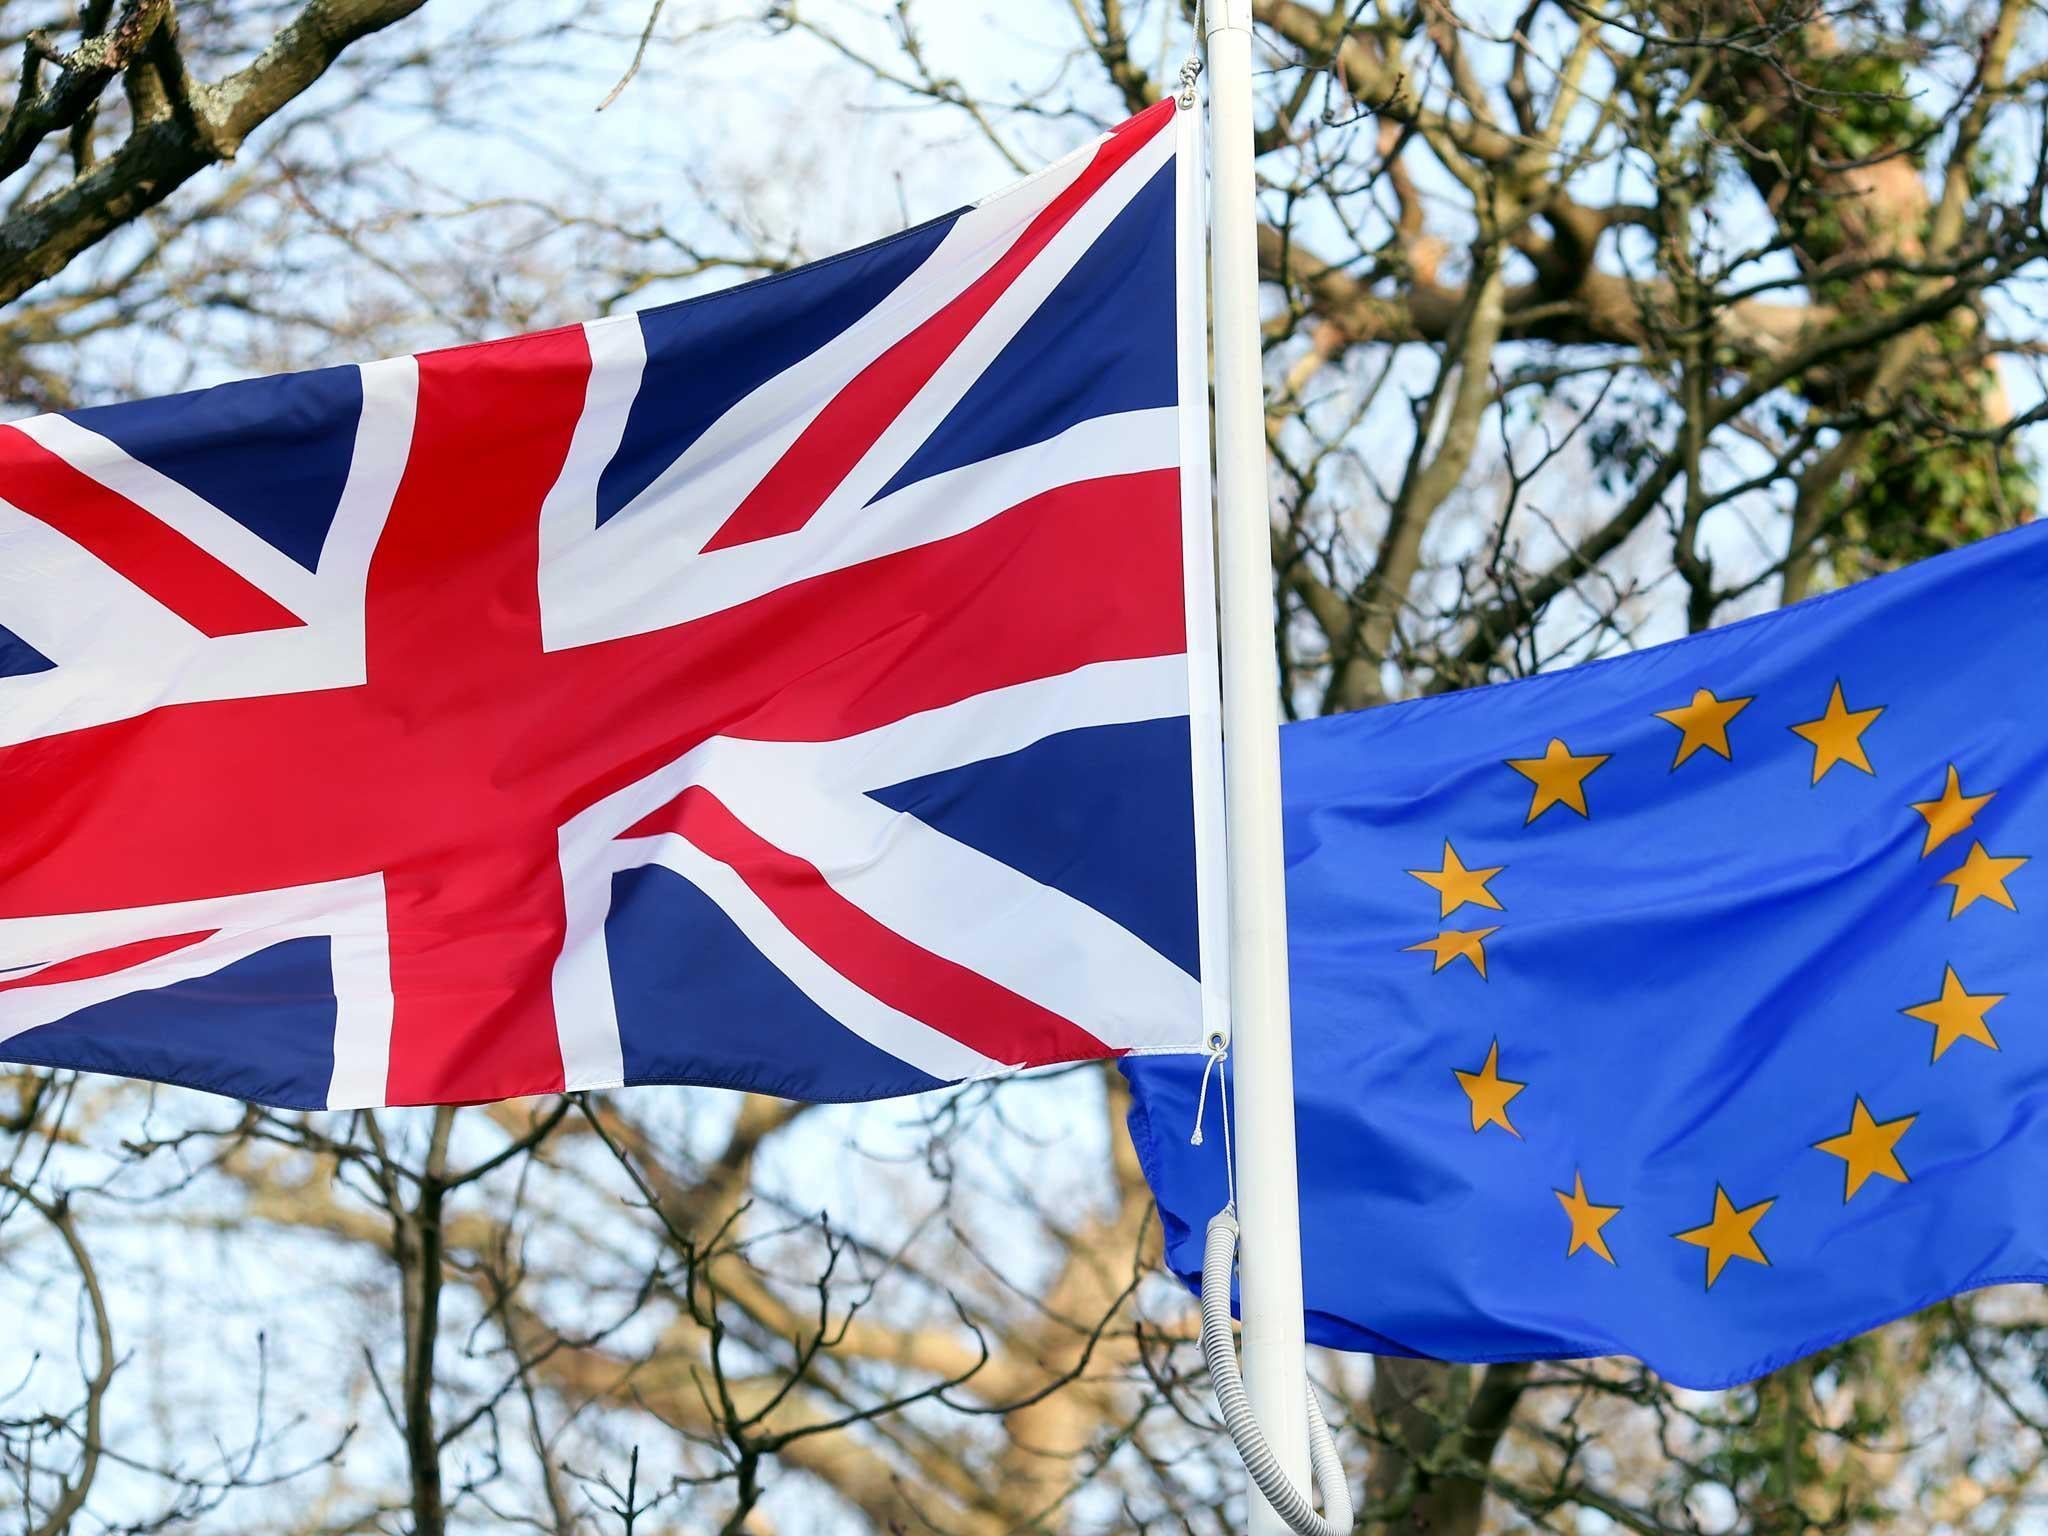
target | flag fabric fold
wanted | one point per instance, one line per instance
(1689, 1005)
(806, 688)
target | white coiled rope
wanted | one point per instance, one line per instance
(1219, 1259)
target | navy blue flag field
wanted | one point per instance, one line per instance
(1690, 1005)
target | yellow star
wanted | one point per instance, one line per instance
(1950, 814)
(1587, 1218)
(1729, 1235)
(1455, 945)
(1489, 1093)
(1704, 722)
(1837, 736)
(1866, 1149)
(1982, 875)
(1456, 884)
(1560, 778)
(1957, 1014)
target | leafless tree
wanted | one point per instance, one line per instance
(1585, 326)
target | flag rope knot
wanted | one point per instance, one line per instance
(1219, 1259)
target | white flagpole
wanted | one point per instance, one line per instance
(1262, 1048)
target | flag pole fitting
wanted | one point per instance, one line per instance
(1219, 1259)
(1191, 67)
(1219, 1052)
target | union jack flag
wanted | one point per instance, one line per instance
(808, 688)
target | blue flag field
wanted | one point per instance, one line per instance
(1689, 1005)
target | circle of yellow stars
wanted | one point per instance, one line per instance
(1868, 1148)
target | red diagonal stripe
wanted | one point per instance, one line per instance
(213, 598)
(827, 450)
(107, 961)
(950, 998)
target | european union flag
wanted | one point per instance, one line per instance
(1690, 1005)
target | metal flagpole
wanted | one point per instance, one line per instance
(1261, 1044)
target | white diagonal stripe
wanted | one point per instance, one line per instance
(645, 568)
(183, 510)
(116, 648)
(643, 595)
(925, 1048)
(978, 912)
(994, 331)
(120, 653)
